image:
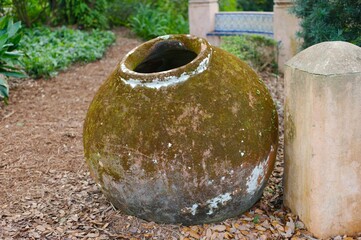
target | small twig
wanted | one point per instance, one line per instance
(6, 164)
(8, 115)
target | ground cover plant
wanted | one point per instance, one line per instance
(9, 55)
(258, 51)
(48, 51)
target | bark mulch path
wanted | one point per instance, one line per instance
(46, 191)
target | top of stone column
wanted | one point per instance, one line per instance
(283, 1)
(328, 58)
(202, 1)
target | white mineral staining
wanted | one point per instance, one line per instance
(221, 199)
(124, 68)
(164, 37)
(101, 164)
(210, 182)
(223, 178)
(242, 153)
(155, 161)
(193, 209)
(203, 65)
(255, 180)
(169, 145)
(167, 81)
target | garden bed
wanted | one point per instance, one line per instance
(47, 192)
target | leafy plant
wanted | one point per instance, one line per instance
(29, 12)
(86, 14)
(9, 55)
(150, 22)
(120, 12)
(255, 5)
(228, 5)
(50, 51)
(258, 51)
(336, 20)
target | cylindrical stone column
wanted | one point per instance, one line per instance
(322, 177)
(285, 26)
(201, 15)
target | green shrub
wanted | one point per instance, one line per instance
(29, 12)
(258, 51)
(50, 51)
(9, 55)
(228, 5)
(150, 22)
(255, 5)
(336, 20)
(121, 11)
(88, 14)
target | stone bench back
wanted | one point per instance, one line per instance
(239, 23)
(206, 21)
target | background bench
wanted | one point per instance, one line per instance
(239, 23)
(206, 21)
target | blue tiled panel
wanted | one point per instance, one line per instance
(244, 22)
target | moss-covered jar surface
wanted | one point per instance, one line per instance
(190, 145)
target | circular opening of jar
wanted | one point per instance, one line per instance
(165, 55)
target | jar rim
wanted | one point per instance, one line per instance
(169, 77)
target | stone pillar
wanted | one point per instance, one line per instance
(322, 176)
(202, 19)
(285, 26)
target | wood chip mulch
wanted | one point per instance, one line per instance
(46, 191)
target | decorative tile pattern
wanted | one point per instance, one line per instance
(235, 23)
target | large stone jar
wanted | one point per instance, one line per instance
(193, 144)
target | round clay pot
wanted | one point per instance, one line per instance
(193, 144)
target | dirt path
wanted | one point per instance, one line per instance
(46, 191)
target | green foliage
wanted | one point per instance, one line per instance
(50, 51)
(154, 20)
(9, 55)
(4, 90)
(255, 5)
(120, 11)
(29, 12)
(228, 5)
(87, 14)
(258, 51)
(336, 20)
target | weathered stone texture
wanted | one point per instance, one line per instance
(189, 145)
(323, 138)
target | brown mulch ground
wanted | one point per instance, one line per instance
(46, 191)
